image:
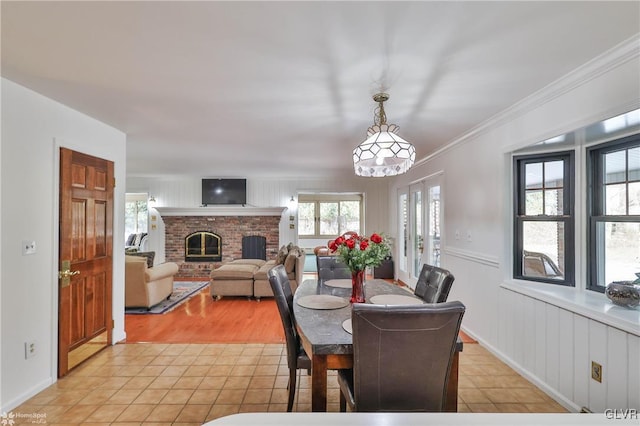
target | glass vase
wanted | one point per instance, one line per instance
(357, 286)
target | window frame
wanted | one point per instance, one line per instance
(318, 199)
(595, 202)
(568, 216)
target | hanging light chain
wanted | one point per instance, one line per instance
(379, 116)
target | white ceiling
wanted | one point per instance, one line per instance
(246, 89)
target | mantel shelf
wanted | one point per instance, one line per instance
(220, 211)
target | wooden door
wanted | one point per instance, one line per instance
(86, 244)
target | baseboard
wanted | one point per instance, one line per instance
(29, 393)
(551, 392)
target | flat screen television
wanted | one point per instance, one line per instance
(224, 191)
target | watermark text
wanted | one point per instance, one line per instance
(621, 413)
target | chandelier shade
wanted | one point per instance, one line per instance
(383, 153)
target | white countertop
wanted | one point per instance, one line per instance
(422, 419)
(587, 303)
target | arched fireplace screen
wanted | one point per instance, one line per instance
(203, 246)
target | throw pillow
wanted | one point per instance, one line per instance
(130, 240)
(290, 261)
(282, 255)
(149, 255)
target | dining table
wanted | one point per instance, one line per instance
(322, 313)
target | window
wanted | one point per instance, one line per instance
(328, 215)
(135, 214)
(614, 212)
(544, 218)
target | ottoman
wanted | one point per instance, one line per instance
(234, 278)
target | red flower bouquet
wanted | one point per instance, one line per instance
(358, 253)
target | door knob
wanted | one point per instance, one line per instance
(67, 274)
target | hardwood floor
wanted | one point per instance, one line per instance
(204, 320)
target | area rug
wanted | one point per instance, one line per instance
(182, 291)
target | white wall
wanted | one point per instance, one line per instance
(477, 198)
(263, 192)
(33, 129)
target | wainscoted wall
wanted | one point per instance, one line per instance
(231, 229)
(555, 347)
(551, 346)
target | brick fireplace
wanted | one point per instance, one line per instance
(231, 229)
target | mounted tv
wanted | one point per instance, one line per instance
(224, 191)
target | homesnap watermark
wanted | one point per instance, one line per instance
(12, 418)
(621, 413)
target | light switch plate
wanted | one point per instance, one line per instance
(28, 247)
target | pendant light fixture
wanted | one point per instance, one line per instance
(383, 153)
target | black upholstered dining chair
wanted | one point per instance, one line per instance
(297, 358)
(402, 357)
(434, 284)
(331, 267)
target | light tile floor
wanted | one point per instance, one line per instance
(189, 384)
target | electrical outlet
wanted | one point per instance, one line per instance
(596, 371)
(468, 236)
(29, 349)
(457, 235)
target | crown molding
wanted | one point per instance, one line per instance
(624, 52)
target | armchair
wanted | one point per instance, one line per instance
(144, 286)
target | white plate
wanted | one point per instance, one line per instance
(346, 324)
(340, 283)
(322, 301)
(395, 299)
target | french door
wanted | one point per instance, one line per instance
(420, 221)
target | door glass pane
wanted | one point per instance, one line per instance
(433, 248)
(306, 218)
(329, 218)
(615, 167)
(616, 199)
(618, 248)
(349, 216)
(543, 244)
(403, 234)
(418, 242)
